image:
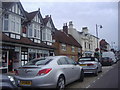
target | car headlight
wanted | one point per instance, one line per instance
(11, 79)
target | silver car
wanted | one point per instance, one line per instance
(90, 65)
(49, 72)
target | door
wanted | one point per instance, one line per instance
(4, 66)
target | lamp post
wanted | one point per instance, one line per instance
(100, 26)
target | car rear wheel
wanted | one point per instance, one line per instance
(96, 72)
(61, 83)
(81, 76)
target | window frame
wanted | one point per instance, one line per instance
(64, 47)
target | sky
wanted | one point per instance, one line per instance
(83, 14)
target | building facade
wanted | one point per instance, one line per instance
(87, 40)
(22, 36)
(104, 46)
(66, 45)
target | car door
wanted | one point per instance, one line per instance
(75, 69)
(66, 69)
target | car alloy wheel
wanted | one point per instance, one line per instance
(96, 72)
(61, 83)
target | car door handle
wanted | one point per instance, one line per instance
(72, 68)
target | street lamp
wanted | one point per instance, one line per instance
(100, 26)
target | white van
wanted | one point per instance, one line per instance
(109, 54)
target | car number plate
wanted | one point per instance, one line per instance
(83, 65)
(25, 82)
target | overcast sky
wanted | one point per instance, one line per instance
(83, 14)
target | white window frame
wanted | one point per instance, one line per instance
(7, 19)
(16, 27)
(44, 34)
(30, 30)
(79, 50)
(64, 47)
(37, 34)
(48, 33)
(73, 49)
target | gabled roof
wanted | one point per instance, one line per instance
(24, 41)
(31, 15)
(7, 5)
(62, 37)
(47, 19)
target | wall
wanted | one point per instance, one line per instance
(68, 51)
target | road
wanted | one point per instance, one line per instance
(106, 79)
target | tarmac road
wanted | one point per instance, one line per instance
(108, 78)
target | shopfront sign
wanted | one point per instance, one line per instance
(32, 50)
(7, 47)
(17, 49)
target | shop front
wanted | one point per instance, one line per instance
(36, 53)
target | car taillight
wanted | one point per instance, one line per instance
(90, 64)
(44, 71)
(110, 60)
(16, 72)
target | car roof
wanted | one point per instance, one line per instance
(87, 57)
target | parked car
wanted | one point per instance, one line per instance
(106, 61)
(90, 65)
(7, 82)
(109, 54)
(49, 72)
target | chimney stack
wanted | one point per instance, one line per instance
(65, 28)
(46, 16)
(70, 24)
(85, 30)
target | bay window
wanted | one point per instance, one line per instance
(30, 30)
(6, 22)
(15, 24)
(48, 35)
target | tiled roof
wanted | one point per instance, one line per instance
(30, 15)
(45, 20)
(7, 4)
(62, 37)
(24, 41)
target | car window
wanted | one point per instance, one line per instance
(38, 62)
(96, 59)
(70, 61)
(62, 61)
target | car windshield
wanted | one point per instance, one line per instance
(42, 61)
(86, 59)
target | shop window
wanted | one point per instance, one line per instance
(32, 56)
(4, 59)
(24, 57)
(16, 57)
